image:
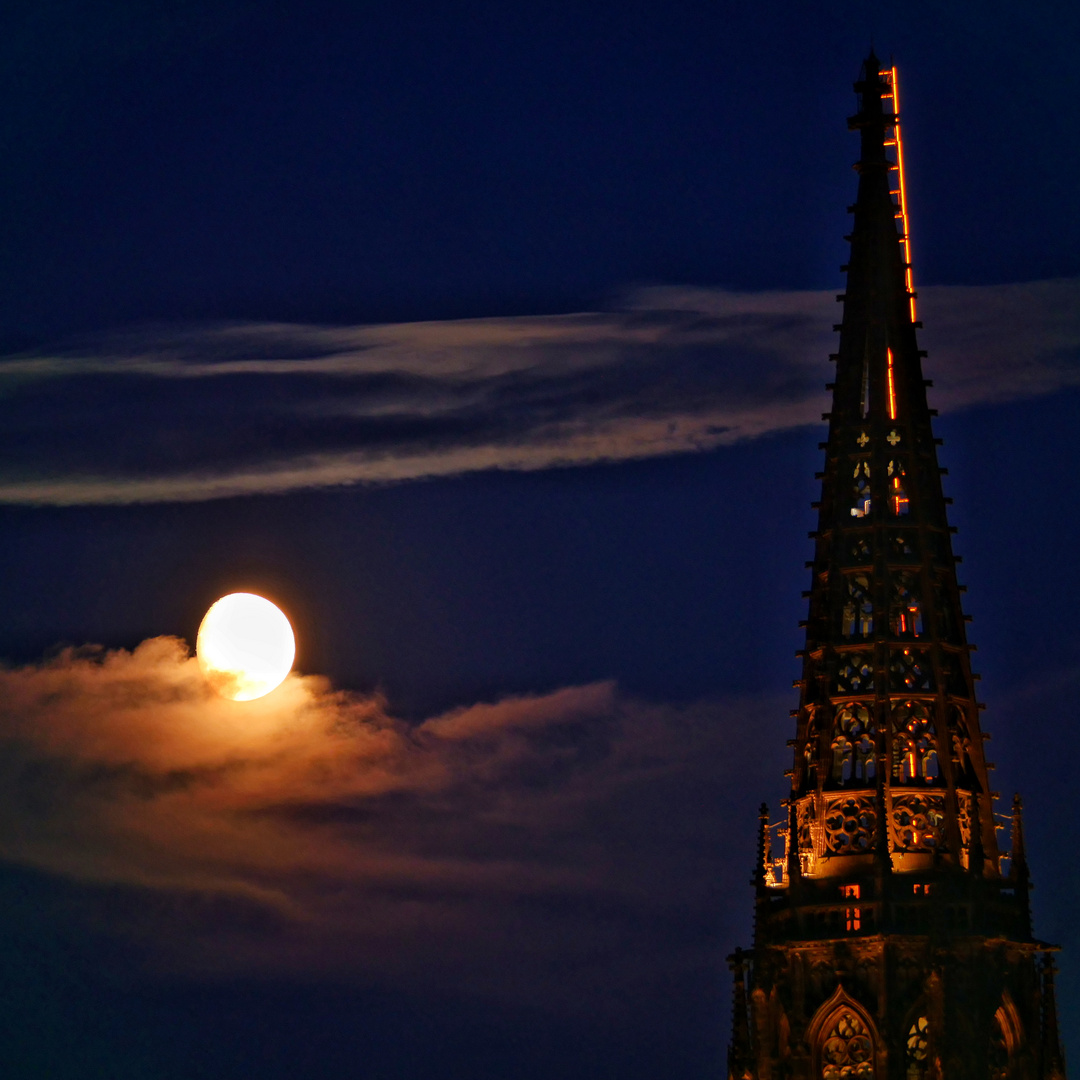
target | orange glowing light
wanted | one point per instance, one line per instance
(889, 75)
(892, 389)
(900, 499)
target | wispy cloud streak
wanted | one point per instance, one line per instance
(183, 414)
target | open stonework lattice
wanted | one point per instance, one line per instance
(910, 670)
(855, 673)
(850, 824)
(847, 1051)
(918, 821)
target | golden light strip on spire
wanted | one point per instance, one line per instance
(889, 75)
(892, 388)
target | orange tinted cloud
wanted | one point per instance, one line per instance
(312, 830)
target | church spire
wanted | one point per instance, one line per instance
(891, 944)
(887, 681)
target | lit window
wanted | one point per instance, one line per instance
(917, 1048)
(913, 743)
(858, 611)
(852, 915)
(853, 745)
(898, 499)
(905, 614)
(861, 497)
(846, 1048)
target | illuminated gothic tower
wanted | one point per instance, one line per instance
(890, 942)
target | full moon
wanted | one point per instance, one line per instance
(245, 646)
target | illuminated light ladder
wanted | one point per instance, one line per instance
(893, 94)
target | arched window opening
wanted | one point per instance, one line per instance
(959, 744)
(916, 1049)
(914, 754)
(847, 1049)
(855, 738)
(810, 748)
(858, 620)
(946, 624)
(860, 504)
(841, 762)
(905, 610)
(898, 499)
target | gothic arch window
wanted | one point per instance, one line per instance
(898, 498)
(959, 744)
(999, 1050)
(916, 1049)
(806, 828)
(1005, 1040)
(853, 746)
(905, 608)
(858, 610)
(810, 749)
(847, 1048)
(944, 608)
(914, 754)
(841, 759)
(860, 499)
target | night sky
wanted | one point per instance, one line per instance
(490, 342)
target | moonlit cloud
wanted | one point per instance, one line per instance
(312, 831)
(185, 414)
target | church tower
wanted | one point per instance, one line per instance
(892, 938)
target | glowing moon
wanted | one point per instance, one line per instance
(245, 646)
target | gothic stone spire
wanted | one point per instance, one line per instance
(887, 682)
(887, 944)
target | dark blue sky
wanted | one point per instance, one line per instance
(364, 162)
(170, 164)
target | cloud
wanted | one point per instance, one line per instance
(184, 414)
(533, 845)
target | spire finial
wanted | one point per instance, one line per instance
(764, 853)
(1053, 1059)
(1019, 851)
(976, 852)
(1018, 869)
